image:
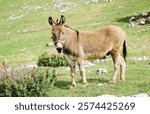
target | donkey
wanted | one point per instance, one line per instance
(77, 45)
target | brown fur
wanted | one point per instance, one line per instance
(77, 45)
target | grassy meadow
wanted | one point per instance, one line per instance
(24, 33)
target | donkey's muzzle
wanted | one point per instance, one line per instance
(59, 47)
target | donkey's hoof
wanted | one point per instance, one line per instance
(73, 86)
(85, 84)
(112, 82)
(122, 79)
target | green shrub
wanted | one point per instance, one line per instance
(52, 60)
(35, 84)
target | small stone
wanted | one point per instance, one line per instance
(144, 58)
(141, 95)
(132, 19)
(101, 71)
(148, 20)
(108, 0)
(88, 64)
(142, 21)
(139, 59)
(50, 44)
(132, 24)
(96, 61)
(100, 84)
(141, 31)
(94, 1)
(31, 66)
(145, 14)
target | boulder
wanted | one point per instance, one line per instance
(139, 19)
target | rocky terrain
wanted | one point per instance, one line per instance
(63, 5)
(139, 19)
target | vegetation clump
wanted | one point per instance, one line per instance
(34, 85)
(52, 60)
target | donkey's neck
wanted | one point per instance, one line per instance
(71, 43)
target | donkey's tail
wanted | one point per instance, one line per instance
(124, 49)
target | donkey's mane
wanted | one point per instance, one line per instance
(67, 26)
(77, 32)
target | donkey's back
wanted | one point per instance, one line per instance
(102, 41)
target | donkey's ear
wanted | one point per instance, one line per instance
(62, 20)
(51, 21)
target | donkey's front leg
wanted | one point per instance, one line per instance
(82, 71)
(72, 64)
(73, 74)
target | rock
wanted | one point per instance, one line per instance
(14, 17)
(94, 1)
(88, 64)
(100, 84)
(43, 6)
(108, 0)
(96, 61)
(132, 24)
(144, 58)
(141, 31)
(139, 19)
(142, 21)
(132, 19)
(107, 95)
(145, 14)
(144, 30)
(137, 95)
(50, 44)
(147, 20)
(63, 6)
(101, 71)
(31, 66)
(141, 95)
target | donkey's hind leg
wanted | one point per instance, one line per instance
(116, 61)
(122, 69)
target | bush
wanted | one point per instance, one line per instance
(36, 84)
(52, 60)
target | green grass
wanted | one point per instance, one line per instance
(22, 40)
(137, 81)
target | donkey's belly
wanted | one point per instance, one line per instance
(95, 55)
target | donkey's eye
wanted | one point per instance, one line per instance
(63, 33)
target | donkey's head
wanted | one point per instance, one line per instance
(58, 32)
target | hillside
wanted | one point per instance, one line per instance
(24, 30)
